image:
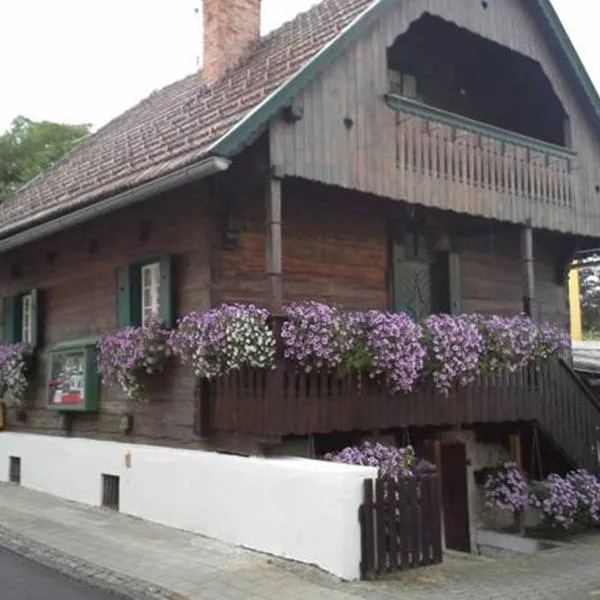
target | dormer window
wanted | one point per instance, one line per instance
(403, 84)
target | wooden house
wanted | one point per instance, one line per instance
(421, 155)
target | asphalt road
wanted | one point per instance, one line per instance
(21, 579)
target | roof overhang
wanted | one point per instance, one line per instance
(205, 168)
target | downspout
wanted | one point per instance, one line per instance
(207, 167)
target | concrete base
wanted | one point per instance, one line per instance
(505, 545)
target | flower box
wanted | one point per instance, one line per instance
(73, 383)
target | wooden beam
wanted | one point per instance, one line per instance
(274, 249)
(528, 269)
(516, 449)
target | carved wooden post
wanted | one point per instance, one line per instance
(528, 269)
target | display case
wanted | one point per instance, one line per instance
(73, 383)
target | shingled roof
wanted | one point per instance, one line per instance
(187, 120)
(176, 125)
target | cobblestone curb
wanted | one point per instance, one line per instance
(124, 587)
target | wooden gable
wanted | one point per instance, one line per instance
(344, 133)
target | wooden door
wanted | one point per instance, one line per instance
(455, 497)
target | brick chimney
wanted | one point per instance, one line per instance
(230, 28)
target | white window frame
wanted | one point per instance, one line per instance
(27, 318)
(150, 288)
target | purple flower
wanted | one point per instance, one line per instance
(390, 461)
(587, 492)
(514, 342)
(125, 354)
(556, 498)
(393, 341)
(506, 488)
(454, 347)
(317, 336)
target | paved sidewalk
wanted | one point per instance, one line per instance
(150, 561)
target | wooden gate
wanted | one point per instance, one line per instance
(400, 525)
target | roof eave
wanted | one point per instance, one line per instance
(208, 166)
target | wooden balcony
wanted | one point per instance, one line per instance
(478, 168)
(284, 401)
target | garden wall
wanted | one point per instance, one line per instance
(304, 510)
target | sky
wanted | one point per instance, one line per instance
(87, 62)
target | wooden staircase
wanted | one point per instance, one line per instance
(569, 414)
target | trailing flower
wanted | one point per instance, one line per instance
(506, 488)
(391, 462)
(514, 342)
(224, 339)
(126, 354)
(508, 342)
(14, 360)
(317, 336)
(393, 342)
(587, 493)
(553, 342)
(454, 346)
(556, 498)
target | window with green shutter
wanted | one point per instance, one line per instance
(423, 281)
(144, 288)
(22, 318)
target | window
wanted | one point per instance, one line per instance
(150, 280)
(26, 318)
(21, 318)
(403, 84)
(144, 289)
(423, 280)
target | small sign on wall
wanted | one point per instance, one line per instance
(73, 383)
(67, 379)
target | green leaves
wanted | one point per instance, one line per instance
(29, 147)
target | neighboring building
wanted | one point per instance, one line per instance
(575, 305)
(431, 156)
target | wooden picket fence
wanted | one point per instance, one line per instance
(400, 525)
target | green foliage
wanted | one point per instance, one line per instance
(28, 147)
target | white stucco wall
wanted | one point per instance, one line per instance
(295, 508)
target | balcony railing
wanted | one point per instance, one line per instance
(435, 144)
(285, 401)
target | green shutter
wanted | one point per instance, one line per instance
(445, 283)
(166, 291)
(135, 292)
(124, 297)
(10, 333)
(36, 318)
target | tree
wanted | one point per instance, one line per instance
(28, 147)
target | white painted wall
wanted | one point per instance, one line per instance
(295, 508)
